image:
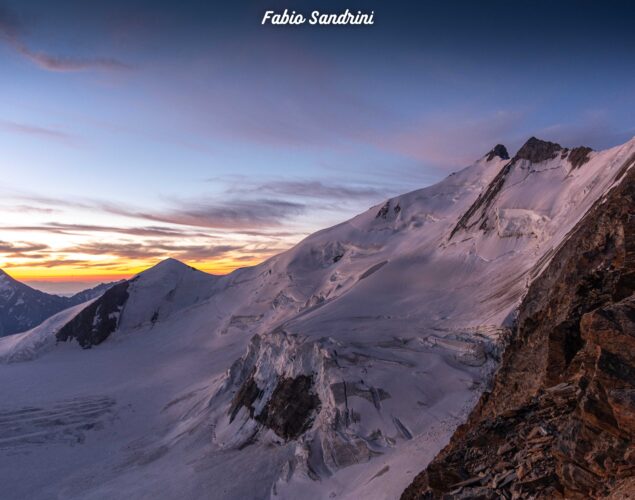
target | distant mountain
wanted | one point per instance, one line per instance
(23, 307)
(152, 295)
(91, 293)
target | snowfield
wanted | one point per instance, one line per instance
(337, 369)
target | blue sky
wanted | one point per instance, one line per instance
(133, 131)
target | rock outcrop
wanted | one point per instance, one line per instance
(559, 421)
(536, 150)
(96, 322)
(499, 151)
(579, 156)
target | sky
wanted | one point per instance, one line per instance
(135, 131)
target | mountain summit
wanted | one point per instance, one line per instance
(536, 150)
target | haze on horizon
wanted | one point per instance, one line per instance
(134, 132)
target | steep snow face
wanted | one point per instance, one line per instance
(336, 369)
(145, 299)
(538, 197)
(165, 288)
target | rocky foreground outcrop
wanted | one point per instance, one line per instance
(559, 421)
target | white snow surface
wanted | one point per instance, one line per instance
(398, 325)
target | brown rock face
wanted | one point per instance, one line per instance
(536, 150)
(560, 419)
(579, 156)
(289, 410)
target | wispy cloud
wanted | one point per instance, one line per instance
(34, 130)
(67, 229)
(237, 214)
(6, 247)
(12, 33)
(232, 214)
(22, 249)
(29, 209)
(67, 64)
(311, 189)
(136, 251)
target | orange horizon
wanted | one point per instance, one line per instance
(68, 273)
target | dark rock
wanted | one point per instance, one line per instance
(499, 151)
(246, 396)
(96, 322)
(579, 156)
(289, 410)
(383, 211)
(536, 150)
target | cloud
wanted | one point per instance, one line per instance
(23, 250)
(56, 262)
(136, 251)
(69, 64)
(232, 214)
(12, 32)
(33, 130)
(236, 215)
(20, 247)
(28, 209)
(61, 228)
(152, 250)
(313, 189)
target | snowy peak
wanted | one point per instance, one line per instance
(168, 270)
(540, 185)
(152, 295)
(166, 266)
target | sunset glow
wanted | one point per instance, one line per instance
(126, 139)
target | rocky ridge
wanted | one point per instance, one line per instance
(559, 421)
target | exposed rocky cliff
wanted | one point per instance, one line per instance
(559, 421)
(96, 322)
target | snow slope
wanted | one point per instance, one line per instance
(336, 369)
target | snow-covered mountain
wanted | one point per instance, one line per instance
(337, 369)
(23, 307)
